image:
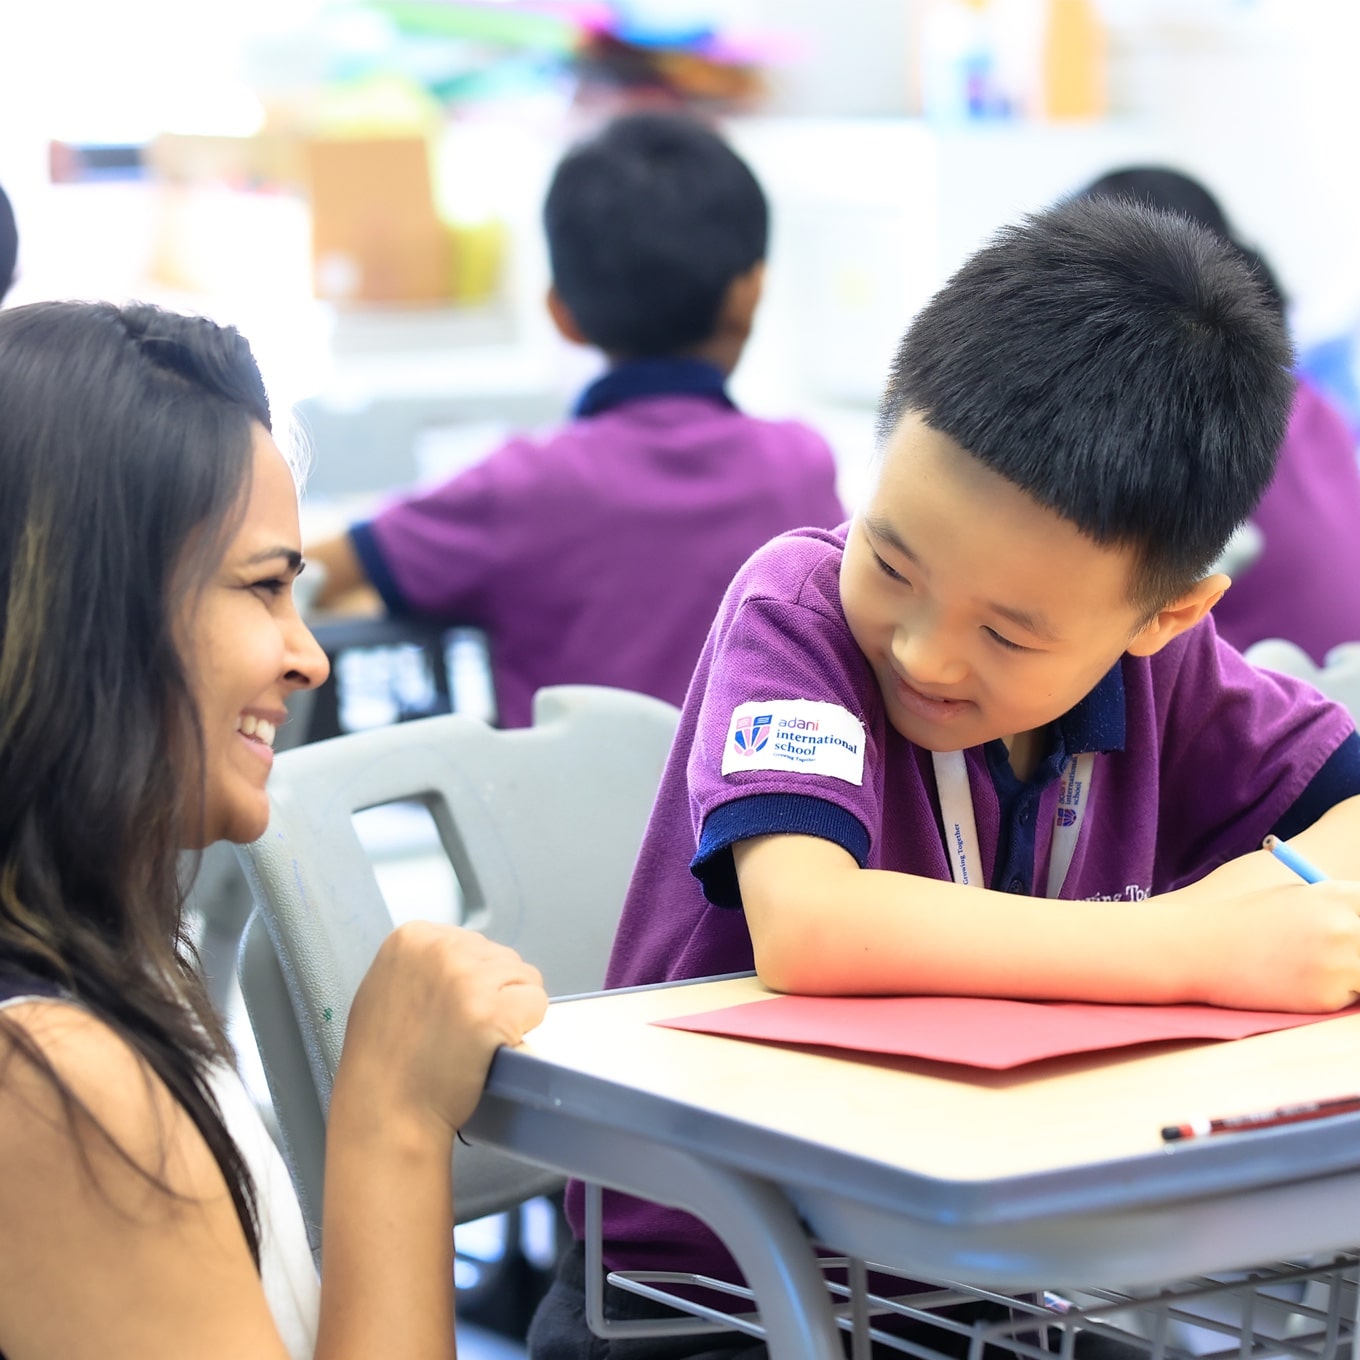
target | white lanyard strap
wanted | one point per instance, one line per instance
(1073, 788)
(960, 827)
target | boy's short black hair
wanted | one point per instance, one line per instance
(648, 224)
(1159, 186)
(1120, 365)
(9, 244)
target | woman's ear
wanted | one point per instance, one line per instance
(1181, 614)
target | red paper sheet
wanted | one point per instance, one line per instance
(977, 1031)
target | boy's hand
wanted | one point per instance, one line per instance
(1287, 947)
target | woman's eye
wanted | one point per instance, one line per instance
(273, 586)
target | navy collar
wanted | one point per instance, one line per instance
(1095, 723)
(638, 378)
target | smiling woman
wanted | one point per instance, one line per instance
(148, 639)
(250, 649)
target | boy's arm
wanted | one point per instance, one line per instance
(1251, 934)
(345, 586)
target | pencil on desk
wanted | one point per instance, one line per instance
(1263, 1119)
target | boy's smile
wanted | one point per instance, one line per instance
(983, 613)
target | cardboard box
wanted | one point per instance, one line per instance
(375, 234)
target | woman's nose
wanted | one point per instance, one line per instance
(308, 663)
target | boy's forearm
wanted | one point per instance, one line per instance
(342, 572)
(1250, 934)
(872, 932)
(1332, 843)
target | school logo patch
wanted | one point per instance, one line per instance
(752, 733)
(1067, 816)
(796, 735)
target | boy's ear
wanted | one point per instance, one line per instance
(741, 300)
(563, 319)
(1184, 612)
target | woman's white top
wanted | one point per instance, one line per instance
(287, 1270)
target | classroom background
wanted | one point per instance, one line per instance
(357, 185)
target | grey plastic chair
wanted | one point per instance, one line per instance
(219, 901)
(541, 825)
(1338, 678)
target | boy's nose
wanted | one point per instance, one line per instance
(926, 658)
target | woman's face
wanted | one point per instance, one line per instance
(248, 649)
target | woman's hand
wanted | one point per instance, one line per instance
(428, 1017)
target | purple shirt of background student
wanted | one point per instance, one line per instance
(599, 554)
(1305, 586)
(1201, 756)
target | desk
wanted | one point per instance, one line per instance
(1049, 1177)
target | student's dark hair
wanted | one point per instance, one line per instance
(125, 462)
(9, 244)
(648, 223)
(1158, 186)
(1121, 367)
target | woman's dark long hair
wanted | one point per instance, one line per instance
(125, 457)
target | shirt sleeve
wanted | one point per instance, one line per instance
(1244, 751)
(769, 814)
(772, 659)
(370, 554)
(441, 552)
(1336, 781)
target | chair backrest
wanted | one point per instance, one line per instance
(541, 825)
(1338, 677)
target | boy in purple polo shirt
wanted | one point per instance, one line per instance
(599, 554)
(983, 739)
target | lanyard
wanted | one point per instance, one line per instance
(960, 828)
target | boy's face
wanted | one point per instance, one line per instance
(982, 613)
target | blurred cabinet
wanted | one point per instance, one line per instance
(871, 216)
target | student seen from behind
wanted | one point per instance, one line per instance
(983, 739)
(599, 553)
(1305, 585)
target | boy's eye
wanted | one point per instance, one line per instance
(888, 571)
(1004, 641)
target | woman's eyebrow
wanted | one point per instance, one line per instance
(290, 555)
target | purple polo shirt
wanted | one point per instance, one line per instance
(1305, 586)
(1202, 756)
(599, 554)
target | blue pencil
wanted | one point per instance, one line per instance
(1291, 857)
